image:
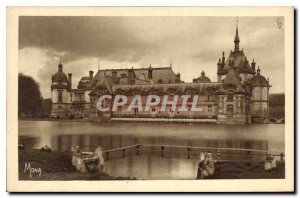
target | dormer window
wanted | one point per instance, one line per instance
(171, 91)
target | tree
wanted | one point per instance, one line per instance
(46, 107)
(30, 98)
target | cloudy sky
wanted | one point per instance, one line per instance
(193, 43)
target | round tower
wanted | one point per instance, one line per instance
(60, 85)
(260, 98)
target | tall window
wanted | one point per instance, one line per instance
(209, 98)
(229, 110)
(153, 109)
(209, 110)
(59, 96)
(119, 110)
(230, 97)
(239, 103)
(136, 111)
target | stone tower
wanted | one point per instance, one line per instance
(239, 60)
(60, 86)
(260, 98)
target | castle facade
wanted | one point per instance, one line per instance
(240, 95)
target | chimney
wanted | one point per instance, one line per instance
(253, 65)
(131, 74)
(114, 76)
(70, 80)
(150, 73)
(91, 74)
(219, 64)
(223, 58)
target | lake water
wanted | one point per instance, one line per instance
(155, 162)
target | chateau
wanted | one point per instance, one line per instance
(240, 95)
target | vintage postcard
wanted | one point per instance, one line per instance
(160, 99)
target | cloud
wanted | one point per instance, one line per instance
(194, 44)
(78, 37)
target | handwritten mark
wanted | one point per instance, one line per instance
(279, 23)
(32, 170)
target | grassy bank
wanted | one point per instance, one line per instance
(57, 166)
(247, 170)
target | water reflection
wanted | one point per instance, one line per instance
(90, 142)
(149, 167)
(153, 162)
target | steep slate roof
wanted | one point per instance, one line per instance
(84, 81)
(240, 62)
(85, 78)
(179, 88)
(202, 78)
(259, 80)
(106, 83)
(60, 76)
(232, 77)
(233, 82)
(160, 75)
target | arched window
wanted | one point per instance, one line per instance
(153, 92)
(190, 91)
(171, 91)
(120, 92)
(59, 96)
(136, 92)
(123, 75)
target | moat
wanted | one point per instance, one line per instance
(152, 163)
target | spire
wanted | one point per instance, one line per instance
(60, 65)
(170, 61)
(219, 64)
(253, 65)
(223, 58)
(236, 39)
(202, 74)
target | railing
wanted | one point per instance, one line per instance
(188, 149)
(166, 119)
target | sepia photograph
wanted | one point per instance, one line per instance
(100, 96)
